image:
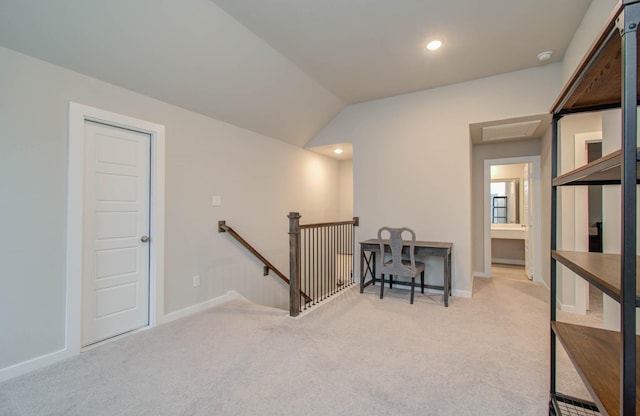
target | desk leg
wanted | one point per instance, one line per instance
(373, 267)
(447, 279)
(362, 271)
(367, 265)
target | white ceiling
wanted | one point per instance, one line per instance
(366, 49)
(285, 68)
(346, 150)
(188, 53)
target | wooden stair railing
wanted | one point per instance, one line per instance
(268, 266)
(320, 260)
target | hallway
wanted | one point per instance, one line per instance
(594, 316)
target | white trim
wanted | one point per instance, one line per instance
(190, 310)
(33, 364)
(113, 339)
(482, 275)
(537, 211)
(544, 283)
(572, 309)
(78, 114)
(461, 293)
(508, 261)
(63, 354)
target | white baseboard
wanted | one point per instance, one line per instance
(37, 363)
(508, 261)
(454, 292)
(482, 274)
(34, 364)
(571, 309)
(190, 310)
(461, 293)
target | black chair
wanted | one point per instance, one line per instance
(398, 266)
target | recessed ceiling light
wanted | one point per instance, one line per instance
(544, 56)
(434, 45)
(338, 151)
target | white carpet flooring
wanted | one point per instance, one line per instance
(357, 355)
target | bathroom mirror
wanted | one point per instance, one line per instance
(505, 201)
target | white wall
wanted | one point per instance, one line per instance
(591, 25)
(412, 155)
(260, 180)
(545, 180)
(514, 170)
(611, 218)
(571, 288)
(346, 190)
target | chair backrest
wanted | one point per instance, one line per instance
(396, 242)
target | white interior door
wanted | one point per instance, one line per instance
(115, 282)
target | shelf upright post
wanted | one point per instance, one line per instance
(628, 26)
(554, 236)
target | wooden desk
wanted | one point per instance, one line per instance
(422, 248)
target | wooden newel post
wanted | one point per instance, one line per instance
(294, 263)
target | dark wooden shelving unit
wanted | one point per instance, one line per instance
(604, 171)
(595, 353)
(606, 78)
(600, 269)
(596, 82)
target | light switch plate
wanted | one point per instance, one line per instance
(216, 200)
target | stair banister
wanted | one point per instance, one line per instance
(268, 266)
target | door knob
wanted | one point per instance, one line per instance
(145, 238)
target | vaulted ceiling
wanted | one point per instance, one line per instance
(366, 49)
(284, 68)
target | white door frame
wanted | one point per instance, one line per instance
(581, 224)
(536, 207)
(78, 114)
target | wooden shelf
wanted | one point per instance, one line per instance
(597, 79)
(604, 171)
(595, 353)
(600, 269)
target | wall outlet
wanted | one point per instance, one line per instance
(196, 281)
(216, 200)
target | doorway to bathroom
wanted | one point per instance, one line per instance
(512, 214)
